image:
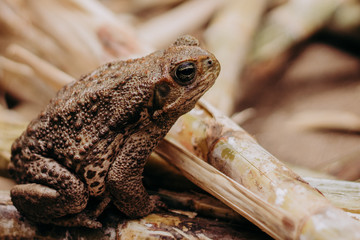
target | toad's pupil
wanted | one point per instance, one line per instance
(185, 72)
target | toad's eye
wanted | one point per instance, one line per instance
(184, 73)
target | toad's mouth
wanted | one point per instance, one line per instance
(159, 104)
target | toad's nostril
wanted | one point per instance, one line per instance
(209, 62)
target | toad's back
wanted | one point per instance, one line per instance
(85, 117)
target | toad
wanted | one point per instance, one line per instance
(93, 139)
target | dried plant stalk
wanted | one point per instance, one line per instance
(199, 203)
(347, 17)
(18, 27)
(164, 29)
(229, 36)
(345, 167)
(283, 28)
(296, 20)
(47, 72)
(15, 76)
(343, 194)
(97, 36)
(21, 81)
(326, 120)
(11, 126)
(252, 181)
(136, 6)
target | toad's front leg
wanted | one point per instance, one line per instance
(124, 180)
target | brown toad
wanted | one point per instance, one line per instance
(93, 139)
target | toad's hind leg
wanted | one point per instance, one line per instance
(51, 192)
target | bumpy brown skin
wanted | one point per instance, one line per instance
(93, 139)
